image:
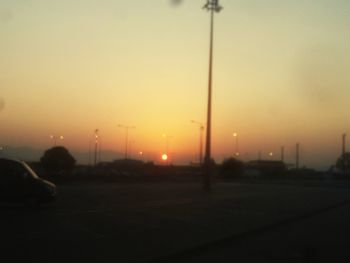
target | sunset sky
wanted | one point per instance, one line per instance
(281, 76)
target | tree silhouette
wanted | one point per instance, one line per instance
(57, 159)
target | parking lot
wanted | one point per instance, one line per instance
(104, 222)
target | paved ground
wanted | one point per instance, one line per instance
(178, 223)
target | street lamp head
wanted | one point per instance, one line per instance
(212, 5)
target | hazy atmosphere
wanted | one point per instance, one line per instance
(158, 131)
(280, 77)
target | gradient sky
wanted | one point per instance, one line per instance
(281, 75)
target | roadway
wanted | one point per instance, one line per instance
(178, 223)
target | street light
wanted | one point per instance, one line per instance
(297, 156)
(141, 155)
(201, 129)
(126, 137)
(212, 6)
(54, 138)
(131, 142)
(235, 135)
(96, 144)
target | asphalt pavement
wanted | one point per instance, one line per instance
(179, 223)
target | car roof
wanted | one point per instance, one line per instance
(4, 159)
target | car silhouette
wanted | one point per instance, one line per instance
(19, 183)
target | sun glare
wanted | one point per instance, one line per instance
(164, 157)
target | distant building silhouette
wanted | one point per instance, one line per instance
(268, 167)
(343, 163)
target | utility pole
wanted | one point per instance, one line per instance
(235, 135)
(212, 6)
(99, 149)
(126, 137)
(89, 152)
(282, 153)
(200, 153)
(96, 144)
(343, 143)
(297, 147)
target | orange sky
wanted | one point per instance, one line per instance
(280, 75)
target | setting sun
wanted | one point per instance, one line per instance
(164, 157)
(174, 130)
(72, 68)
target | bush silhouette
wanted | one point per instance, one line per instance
(57, 159)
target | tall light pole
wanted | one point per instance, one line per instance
(96, 144)
(212, 6)
(297, 156)
(343, 144)
(201, 129)
(131, 142)
(99, 149)
(235, 135)
(54, 138)
(126, 137)
(89, 152)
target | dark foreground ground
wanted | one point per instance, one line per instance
(165, 222)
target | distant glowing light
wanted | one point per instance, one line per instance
(164, 157)
(271, 153)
